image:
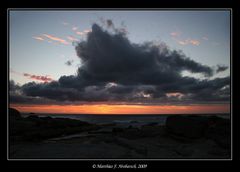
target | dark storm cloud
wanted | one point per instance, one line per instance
(221, 68)
(16, 95)
(13, 86)
(51, 91)
(210, 90)
(114, 69)
(110, 23)
(113, 58)
(23, 99)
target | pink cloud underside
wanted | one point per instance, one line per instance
(57, 39)
(38, 38)
(38, 77)
(189, 41)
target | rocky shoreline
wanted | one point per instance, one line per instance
(182, 137)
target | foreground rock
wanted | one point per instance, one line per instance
(14, 114)
(187, 126)
(183, 137)
(219, 130)
(143, 132)
(34, 128)
(195, 127)
(105, 146)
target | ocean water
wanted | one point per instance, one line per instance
(119, 120)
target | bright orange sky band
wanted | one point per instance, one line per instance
(123, 109)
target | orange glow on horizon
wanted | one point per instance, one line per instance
(123, 109)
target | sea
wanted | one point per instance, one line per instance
(120, 120)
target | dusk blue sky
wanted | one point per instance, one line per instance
(203, 36)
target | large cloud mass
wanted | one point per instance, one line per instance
(114, 69)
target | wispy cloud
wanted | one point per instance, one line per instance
(65, 23)
(189, 41)
(87, 30)
(178, 38)
(84, 32)
(38, 77)
(57, 39)
(194, 42)
(175, 95)
(80, 33)
(175, 34)
(71, 38)
(74, 28)
(45, 78)
(38, 38)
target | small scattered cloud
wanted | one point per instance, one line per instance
(178, 38)
(175, 34)
(182, 42)
(189, 41)
(194, 42)
(84, 32)
(74, 28)
(80, 33)
(87, 30)
(53, 39)
(38, 38)
(69, 62)
(38, 77)
(65, 23)
(56, 39)
(71, 38)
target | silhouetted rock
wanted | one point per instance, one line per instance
(219, 152)
(34, 128)
(130, 132)
(33, 117)
(213, 127)
(151, 124)
(187, 126)
(13, 113)
(18, 125)
(219, 130)
(152, 130)
(133, 122)
(117, 130)
(184, 151)
(54, 139)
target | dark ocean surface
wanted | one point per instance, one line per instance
(120, 120)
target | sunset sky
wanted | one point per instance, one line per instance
(119, 62)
